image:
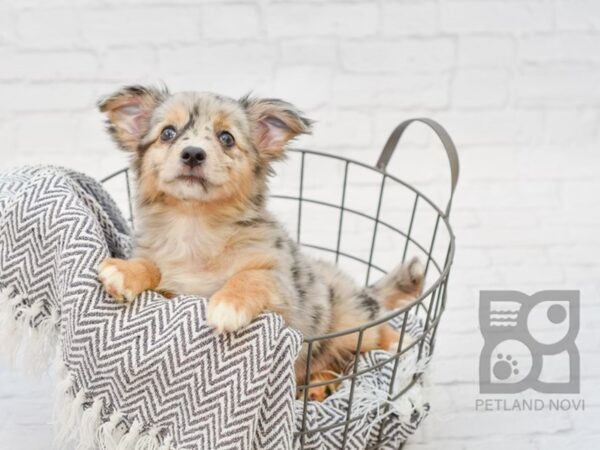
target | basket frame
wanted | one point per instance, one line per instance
(436, 292)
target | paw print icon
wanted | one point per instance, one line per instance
(522, 332)
(505, 367)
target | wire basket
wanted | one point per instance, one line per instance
(398, 222)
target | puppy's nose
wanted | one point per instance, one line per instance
(193, 156)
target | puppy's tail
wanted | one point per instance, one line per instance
(401, 285)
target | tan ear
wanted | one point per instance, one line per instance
(273, 124)
(129, 111)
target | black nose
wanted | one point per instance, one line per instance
(193, 156)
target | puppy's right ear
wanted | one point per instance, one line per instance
(129, 111)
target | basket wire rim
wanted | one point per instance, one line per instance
(443, 275)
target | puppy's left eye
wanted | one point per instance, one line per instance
(226, 139)
(168, 133)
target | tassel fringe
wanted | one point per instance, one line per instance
(26, 334)
(30, 337)
(86, 425)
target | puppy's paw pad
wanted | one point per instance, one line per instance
(114, 281)
(223, 316)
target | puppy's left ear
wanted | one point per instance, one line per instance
(273, 124)
(129, 111)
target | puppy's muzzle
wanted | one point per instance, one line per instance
(193, 156)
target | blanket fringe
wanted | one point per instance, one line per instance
(371, 401)
(88, 424)
(25, 333)
(130, 439)
(91, 420)
(30, 337)
(149, 441)
(109, 433)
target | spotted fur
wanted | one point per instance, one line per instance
(205, 230)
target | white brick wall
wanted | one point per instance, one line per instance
(515, 82)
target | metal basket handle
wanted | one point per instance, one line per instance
(392, 143)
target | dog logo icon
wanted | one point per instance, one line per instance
(523, 335)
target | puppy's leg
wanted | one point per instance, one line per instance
(390, 337)
(242, 299)
(320, 393)
(125, 279)
(402, 285)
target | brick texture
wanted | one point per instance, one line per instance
(515, 82)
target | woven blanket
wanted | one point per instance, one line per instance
(151, 374)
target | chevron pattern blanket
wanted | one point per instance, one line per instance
(151, 375)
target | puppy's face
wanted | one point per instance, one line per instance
(201, 147)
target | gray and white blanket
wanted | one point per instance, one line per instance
(152, 375)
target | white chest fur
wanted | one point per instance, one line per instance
(185, 249)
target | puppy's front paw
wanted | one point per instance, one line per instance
(225, 314)
(121, 279)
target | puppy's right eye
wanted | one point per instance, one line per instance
(168, 133)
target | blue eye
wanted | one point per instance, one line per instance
(168, 133)
(226, 139)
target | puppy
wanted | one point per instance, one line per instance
(201, 163)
